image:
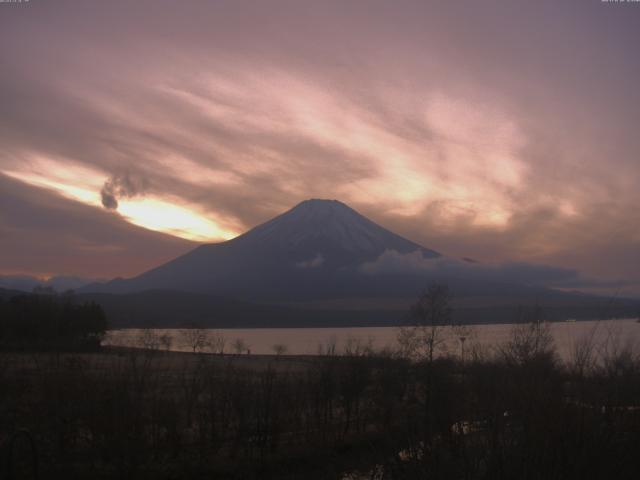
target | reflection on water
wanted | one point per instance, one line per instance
(609, 334)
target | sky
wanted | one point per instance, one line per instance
(503, 131)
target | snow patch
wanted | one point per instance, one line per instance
(314, 262)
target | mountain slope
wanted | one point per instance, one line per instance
(312, 251)
(324, 264)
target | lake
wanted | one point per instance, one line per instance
(605, 334)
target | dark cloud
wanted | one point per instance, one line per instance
(42, 234)
(108, 199)
(121, 186)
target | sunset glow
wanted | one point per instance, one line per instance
(470, 134)
(163, 216)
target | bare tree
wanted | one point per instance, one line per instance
(408, 341)
(194, 338)
(279, 349)
(463, 334)
(166, 340)
(431, 313)
(328, 348)
(583, 354)
(148, 339)
(529, 340)
(239, 346)
(357, 347)
(217, 342)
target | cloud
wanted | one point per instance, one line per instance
(474, 133)
(43, 234)
(121, 186)
(415, 262)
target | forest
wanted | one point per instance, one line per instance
(46, 320)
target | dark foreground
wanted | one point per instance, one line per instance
(516, 414)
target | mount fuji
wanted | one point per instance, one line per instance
(315, 250)
(319, 264)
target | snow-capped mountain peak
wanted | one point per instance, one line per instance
(317, 246)
(318, 224)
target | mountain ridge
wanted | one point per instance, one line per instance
(315, 248)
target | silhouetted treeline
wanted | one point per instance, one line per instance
(50, 321)
(515, 413)
(169, 309)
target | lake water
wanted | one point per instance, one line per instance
(609, 334)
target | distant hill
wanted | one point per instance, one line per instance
(60, 283)
(161, 308)
(5, 294)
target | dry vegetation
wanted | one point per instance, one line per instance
(515, 413)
